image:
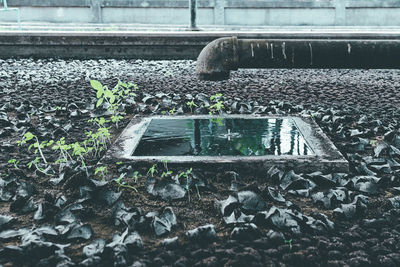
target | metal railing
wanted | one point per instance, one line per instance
(6, 9)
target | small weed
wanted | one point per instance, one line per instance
(121, 183)
(289, 242)
(218, 104)
(172, 111)
(216, 97)
(136, 175)
(165, 163)
(114, 97)
(38, 147)
(152, 170)
(191, 105)
(185, 174)
(14, 162)
(166, 173)
(101, 172)
(28, 136)
(373, 143)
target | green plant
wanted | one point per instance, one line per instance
(114, 97)
(191, 105)
(98, 140)
(38, 150)
(172, 111)
(166, 173)
(152, 170)
(14, 162)
(63, 148)
(373, 142)
(218, 104)
(78, 151)
(28, 136)
(289, 242)
(99, 122)
(217, 96)
(165, 163)
(185, 173)
(136, 175)
(101, 171)
(121, 183)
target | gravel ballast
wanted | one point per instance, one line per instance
(211, 217)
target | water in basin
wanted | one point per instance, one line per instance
(222, 137)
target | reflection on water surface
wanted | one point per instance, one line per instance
(222, 137)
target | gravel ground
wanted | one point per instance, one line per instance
(278, 219)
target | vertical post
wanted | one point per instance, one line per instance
(193, 15)
(219, 12)
(95, 7)
(340, 12)
(19, 20)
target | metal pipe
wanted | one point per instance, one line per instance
(193, 14)
(221, 56)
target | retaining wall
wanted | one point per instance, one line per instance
(212, 12)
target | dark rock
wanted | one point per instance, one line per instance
(245, 232)
(274, 174)
(204, 233)
(94, 248)
(5, 221)
(321, 180)
(208, 262)
(91, 262)
(170, 242)
(292, 181)
(165, 189)
(331, 199)
(108, 197)
(131, 217)
(163, 224)
(181, 262)
(228, 205)
(251, 201)
(274, 194)
(359, 261)
(22, 205)
(276, 238)
(84, 232)
(395, 201)
(284, 219)
(374, 223)
(379, 250)
(365, 184)
(13, 233)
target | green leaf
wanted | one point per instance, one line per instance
(96, 85)
(99, 102)
(112, 99)
(108, 93)
(99, 93)
(28, 136)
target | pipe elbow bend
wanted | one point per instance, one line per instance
(217, 59)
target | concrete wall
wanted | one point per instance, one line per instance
(212, 12)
